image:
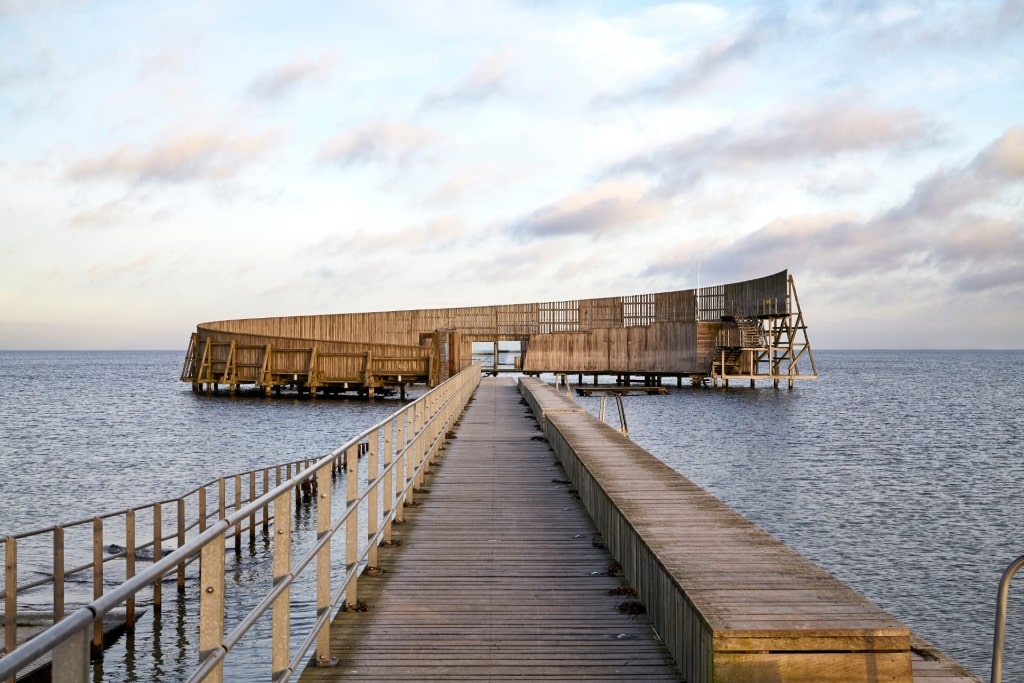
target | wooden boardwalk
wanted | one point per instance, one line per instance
(502, 578)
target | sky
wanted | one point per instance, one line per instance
(164, 164)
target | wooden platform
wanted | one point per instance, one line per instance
(622, 390)
(499, 575)
(732, 602)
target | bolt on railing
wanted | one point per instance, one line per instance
(409, 440)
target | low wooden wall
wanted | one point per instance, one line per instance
(731, 602)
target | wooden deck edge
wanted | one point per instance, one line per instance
(860, 654)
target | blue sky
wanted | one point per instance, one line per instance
(164, 164)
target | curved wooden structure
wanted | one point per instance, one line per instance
(751, 330)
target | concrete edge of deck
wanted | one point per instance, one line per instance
(729, 600)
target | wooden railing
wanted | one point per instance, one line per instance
(397, 452)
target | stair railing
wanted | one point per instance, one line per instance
(1000, 632)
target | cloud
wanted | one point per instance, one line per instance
(14, 7)
(887, 27)
(284, 80)
(457, 185)
(994, 168)
(712, 61)
(204, 155)
(381, 142)
(435, 235)
(486, 80)
(592, 212)
(108, 213)
(961, 227)
(827, 131)
(1004, 157)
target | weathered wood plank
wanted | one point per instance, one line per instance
(722, 586)
(498, 575)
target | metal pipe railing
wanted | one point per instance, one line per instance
(417, 432)
(1000, 631)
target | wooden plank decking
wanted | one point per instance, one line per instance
(501, 578)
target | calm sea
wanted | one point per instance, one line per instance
(898, 471)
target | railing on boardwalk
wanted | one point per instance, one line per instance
(398, 450)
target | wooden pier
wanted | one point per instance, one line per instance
(526, 539)
(501, 574)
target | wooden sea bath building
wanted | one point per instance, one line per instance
(744, 331)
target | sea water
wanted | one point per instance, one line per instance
(900, 472)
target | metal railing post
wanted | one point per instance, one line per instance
(1000, 632)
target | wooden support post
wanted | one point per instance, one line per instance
(11, 591)
(238, 506)
(252, 517)
(389, 490)
(281, 629)
(373, 495)
(158, 552)
(323, 559)
(129, 564)
(71, 659)
(266, 508)
(211, 605)
(97, 580)
(58, 573)
(181, 542)
(202, 509)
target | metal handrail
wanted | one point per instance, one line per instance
(415, 451)
(189, 525)
(623, 429)
(1000, 631)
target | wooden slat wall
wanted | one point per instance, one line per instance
(766, 295)
(643, 333)
(511, 320)
(661, 348)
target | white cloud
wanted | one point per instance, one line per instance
(486, 80)
(388, 142)
(185, 157)
(825, 131)
(604, 208)
(283, 80)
